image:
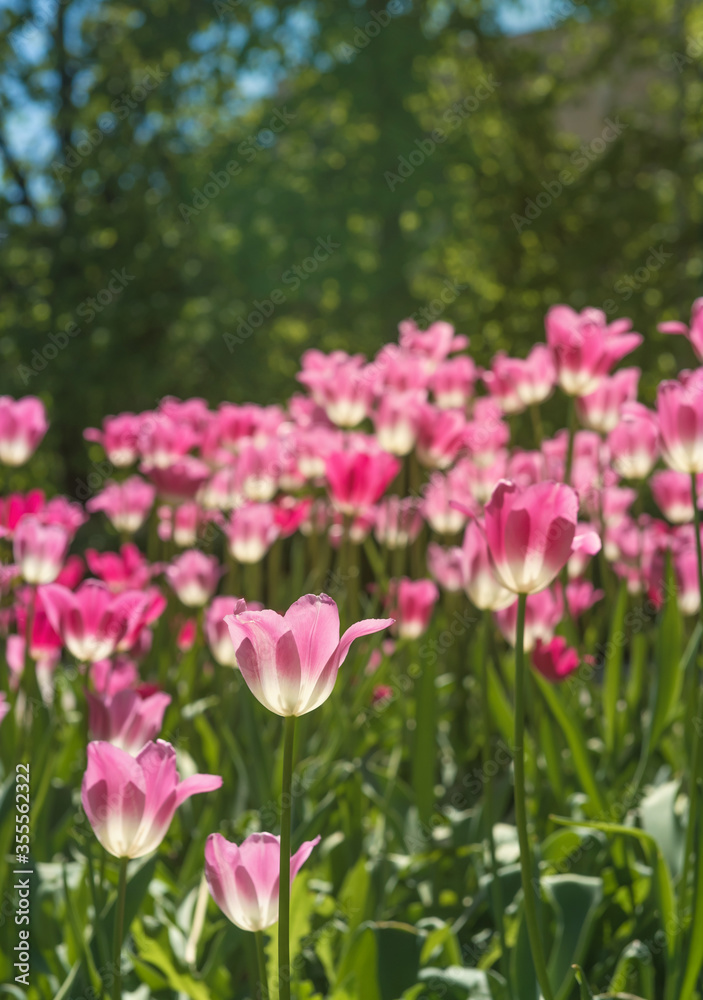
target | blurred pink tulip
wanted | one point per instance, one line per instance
(580, 596)
(480, 581)
(130, 801)
(397, 419)
(543, 612)
(411, 603)
(398, 521)
(680, 410)
(91, 621)
(119, 438)
(441, 436)
(555, 660)
(125, 504)
(357, 478)
(672, 494)
(251, 531)
(600, 410)
(634, 443)
(585, 347)
(447, 566)
(127, 719)
(123, 570)
(290, 662)
(244, 881)
(452, 383)
(4, 705)
(39, 550)
(23, 424)
(194, 577)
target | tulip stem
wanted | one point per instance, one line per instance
(119, 930)
(263, 991)
(695, 746)
(572, 434)
(528, 891)
(284, 968)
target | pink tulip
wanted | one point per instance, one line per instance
(600, 410)
(244, 881)
(585, 347)
(163, 442)
(441, 436)
(412, 603)
(339, 384)
(672, 494)
(444, 504)
(452, 383)
(16, 506)
(685, 563)
(125, 504)
(357, 478)
(128, 719)
(259, 467)
(480, 581)
(251, 532)
(580, 596)
(634, 443)
(23, 424)
(187, 634)
(680, 409)
(446, 565)
(44, 642)
(123, 570)
(432, 344)
(91, 621)
(4, 705)
(694, 332)
(119, 438)
(516, 383)
(180, 481)
(194, 577)
(397, 419)
(130, 801)
(555, 660)
(543, 612)
(148, 605)
(39, 550)
(290, 662)
(525, 468)
(398, 521)
(486, 433)
(65, 513)
(530, 533)
(113, 675)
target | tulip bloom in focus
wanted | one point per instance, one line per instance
(130, 801)
(244, 880)
(290, 662)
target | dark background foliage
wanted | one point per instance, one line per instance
(170, 92)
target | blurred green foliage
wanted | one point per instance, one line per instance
(146, 106)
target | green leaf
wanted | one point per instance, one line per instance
(694, 962)
(660, 819)
(613, 669)
(668, 654)
(458, 983)
(575, 900)
(149, 950)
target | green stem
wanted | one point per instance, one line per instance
(695, 747)
(529, 900)
(537, 429)
(263, 992)
(284, 969)
(488, 792)
(119, 930)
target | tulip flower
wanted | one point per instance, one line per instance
(555, 660)
(441, 504)
(39, 550)
(91, 621)
(694, 332)
(243, 880)
(585, 347)
(130, 801)
(634, 443)
(4, 705)
(530, 533)
(486, 434)
(194, 577)
(672, 494)
(23, 424)
(127, 719)
(580, 596)
(119, 438)
(290, 662)
(123, 570)
(441, 436)
(447, 566)
(125, 504)
(516, 383)
(358, 478)
(180, 481)
(412, 603)
(217, 631)
(543, 612)
(251, 532)
(680, 409)
(432, 344)
(600, 410)
(16, 506)
(397, 521)
(397, 420)
(452, 383)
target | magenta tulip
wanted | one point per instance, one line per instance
(585, 347)
(127, 719)
(130, 801)
(290, 662)
(91, 621)
(125, 504)
(680, 409)
(39, 550)
(412, 603)
(23, 424)
(194, 577)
